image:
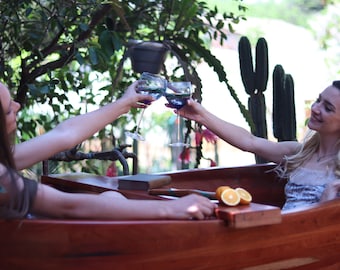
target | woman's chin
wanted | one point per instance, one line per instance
(313, 125)
(12, 134)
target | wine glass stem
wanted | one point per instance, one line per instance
(140, 120)
(178, 128)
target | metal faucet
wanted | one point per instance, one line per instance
(118, 153)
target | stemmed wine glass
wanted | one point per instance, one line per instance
(177, 94)
(152, 85)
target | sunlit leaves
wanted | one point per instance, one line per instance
(65, 49)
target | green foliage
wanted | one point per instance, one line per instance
(325, 26)
(51, 50)
(293, 11)
(231, 6)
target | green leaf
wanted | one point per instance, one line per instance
(80, 58)
(105, 41)
(83, 27)
(93, 56)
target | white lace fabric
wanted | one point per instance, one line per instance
(306, 186)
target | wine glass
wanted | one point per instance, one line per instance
(177, 94)
(151, 85)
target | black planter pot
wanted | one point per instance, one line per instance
(147, 56)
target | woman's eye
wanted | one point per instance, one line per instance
(328, 109)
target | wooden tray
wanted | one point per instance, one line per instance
(245, 216)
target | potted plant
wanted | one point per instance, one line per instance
(147, 56)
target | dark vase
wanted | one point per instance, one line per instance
(147, 56)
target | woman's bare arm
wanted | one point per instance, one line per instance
(238, 136)
(74, 130)
(113, 206)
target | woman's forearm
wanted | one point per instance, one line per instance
(75, 130)
(113, 206)
(232, 134)
(66, 135)
(79, 128)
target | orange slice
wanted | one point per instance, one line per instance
(219, 191)
(245, 197)
(230, 197)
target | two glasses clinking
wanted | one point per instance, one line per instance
(176, 93)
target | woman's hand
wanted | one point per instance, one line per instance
(135, 99)
(331, 191)
(190, 207)
(192, 110)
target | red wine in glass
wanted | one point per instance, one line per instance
(177, 94)
(177, 100)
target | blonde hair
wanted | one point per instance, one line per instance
(309, 146)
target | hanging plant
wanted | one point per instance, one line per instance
(147, 56)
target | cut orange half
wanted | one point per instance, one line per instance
(245, 197)
(230, 197)
(219, 191)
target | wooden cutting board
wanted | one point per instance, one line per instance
(252, 215)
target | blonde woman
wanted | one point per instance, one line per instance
(312, 166)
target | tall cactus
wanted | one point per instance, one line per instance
(246, 65)
(284, 117)
(255, 83)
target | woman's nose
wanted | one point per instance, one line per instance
(315, 108)
(17, 106)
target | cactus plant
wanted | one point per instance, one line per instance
(284, 117)
(255, 83)
(246, 65)
(261, 65)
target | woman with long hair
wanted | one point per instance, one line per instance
(20, 196)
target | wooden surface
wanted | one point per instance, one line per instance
(83, 182)
(246, 216)
(265, 187)
(301, 241)
(304, 239)
(237, 216)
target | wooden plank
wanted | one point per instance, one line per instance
(81, 181)
(84, 182)
(252, 215)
